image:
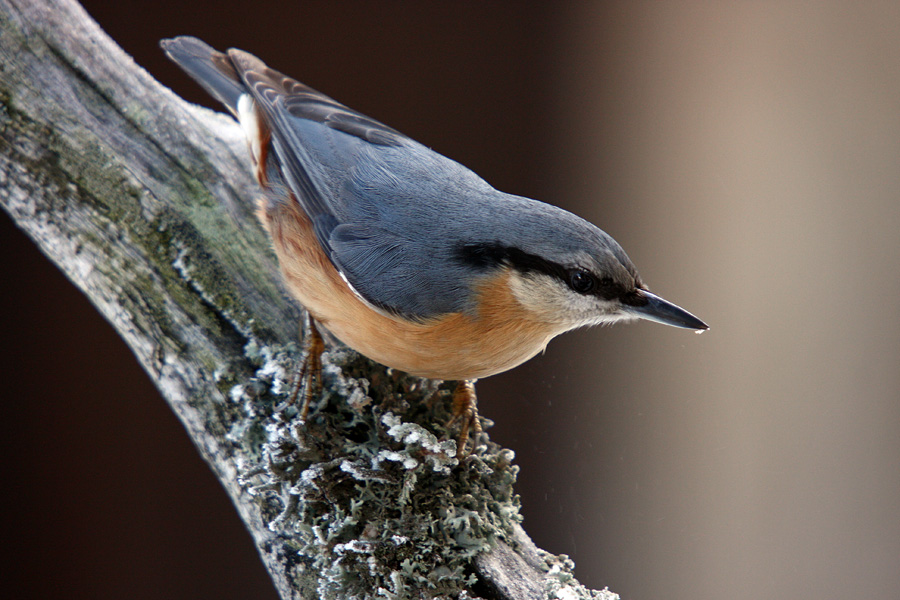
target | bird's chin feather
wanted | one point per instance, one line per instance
(604, 320)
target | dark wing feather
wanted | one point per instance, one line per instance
(308, 154)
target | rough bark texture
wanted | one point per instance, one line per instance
(145, 203)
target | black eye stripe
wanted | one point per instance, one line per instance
(609, 289)
(487, 256)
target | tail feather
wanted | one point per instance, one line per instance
(213, 70)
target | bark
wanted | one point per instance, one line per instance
(145, 202)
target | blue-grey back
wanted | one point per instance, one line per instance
(400, 216)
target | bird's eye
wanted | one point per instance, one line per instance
(582, 282)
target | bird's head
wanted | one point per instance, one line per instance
(573, 275)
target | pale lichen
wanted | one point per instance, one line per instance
(368, 491)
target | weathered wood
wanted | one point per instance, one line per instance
(145, 202)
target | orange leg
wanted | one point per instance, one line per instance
(309, 378)
(465, 410)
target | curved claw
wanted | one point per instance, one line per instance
(465, 410)
(309, 377)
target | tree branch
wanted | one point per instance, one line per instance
(145, 203)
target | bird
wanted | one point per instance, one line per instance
(407, 256)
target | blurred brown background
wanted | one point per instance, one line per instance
(745, 154)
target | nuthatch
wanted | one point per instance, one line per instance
(407, 256)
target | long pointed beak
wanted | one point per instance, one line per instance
(663, 311)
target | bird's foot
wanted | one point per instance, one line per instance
(465, 410)
(309, 376)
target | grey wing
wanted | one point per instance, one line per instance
(413, 213)
(376, 197)
(306, 128)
